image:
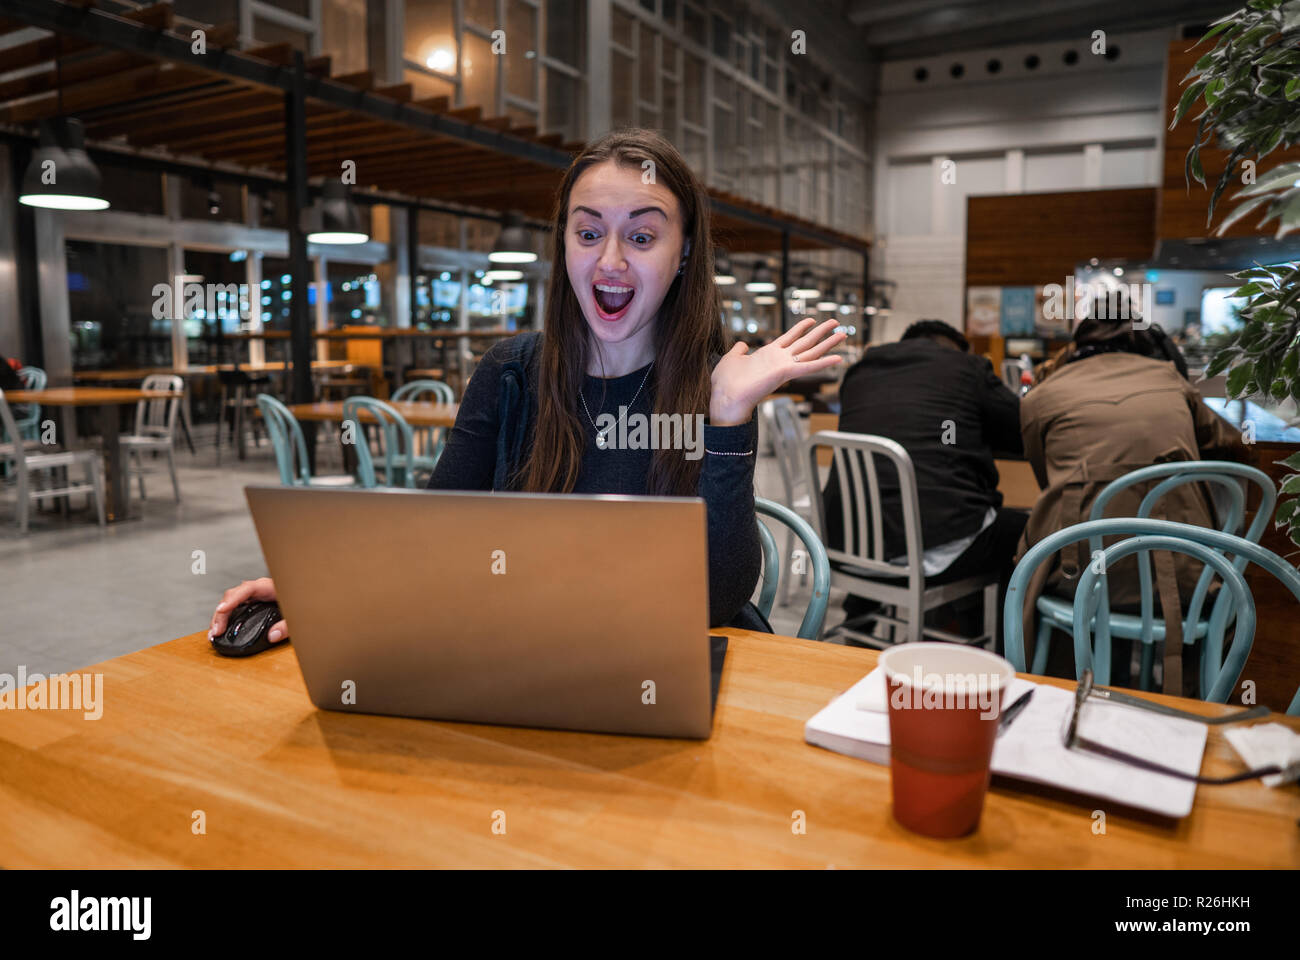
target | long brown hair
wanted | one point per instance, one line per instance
(688, 329)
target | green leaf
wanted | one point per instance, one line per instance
(1286, 512)
(1239, 377)
(1187, 99)
(1194, 166)
(1292, 461)
(1220, 361)
(1290, 484)
(1292, 89)
(1276, 179)
(1240, 211)
(1249, 290)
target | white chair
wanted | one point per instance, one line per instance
(155, 429)
(15, 451)
(863, 560)
(781, 421)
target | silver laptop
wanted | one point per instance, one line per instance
(554, 610)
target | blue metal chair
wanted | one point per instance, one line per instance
(291, 448)
(434, 438)
(1208, 546)
(811, 627)
(397, 443)
(1056, 613)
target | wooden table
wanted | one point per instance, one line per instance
(281, 784)
(108, 400)
(416, 413)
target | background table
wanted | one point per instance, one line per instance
(282, 784)
(108, 400)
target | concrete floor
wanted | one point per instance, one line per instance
(75, 594)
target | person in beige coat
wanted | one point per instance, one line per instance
(1116, 400)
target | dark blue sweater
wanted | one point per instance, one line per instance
(469, 462)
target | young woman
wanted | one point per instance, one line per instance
(633, 321)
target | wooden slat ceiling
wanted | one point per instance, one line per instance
(128, 98)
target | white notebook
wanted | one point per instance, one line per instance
(856, 723)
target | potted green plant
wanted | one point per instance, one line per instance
(1249, 83)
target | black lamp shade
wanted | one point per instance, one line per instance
(334, 218)
(62, 158)
(514, 244)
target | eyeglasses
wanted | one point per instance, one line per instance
(1086, 691)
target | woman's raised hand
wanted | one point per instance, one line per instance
(742, 379)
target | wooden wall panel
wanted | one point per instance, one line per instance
(1183, 208)
(1028, 239)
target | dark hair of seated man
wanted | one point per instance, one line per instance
(939, 332)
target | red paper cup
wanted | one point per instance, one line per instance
(944, 703)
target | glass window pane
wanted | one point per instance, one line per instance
(669, 50)
(343, 35)
(228, 306)
(521, 50)
(724, 88)
(479, 70)
(357, 295)
(693, 151)
(519, 117)
(565, 30)
(425, 87)
(694, 24)
(693, 89)
(301, 7)
(670, 109)
(110, 297)
(621, 27)
(648, 119)
(208, 11)
(429, 36)
(482, 13)
(268, 32)
(648, 5)
(721, 38)
(647, 63)
(562, 106)
(622, 94)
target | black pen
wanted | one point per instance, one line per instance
(1011, 712)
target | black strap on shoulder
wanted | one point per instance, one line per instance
(514, 409)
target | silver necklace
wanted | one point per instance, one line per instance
(601, 441)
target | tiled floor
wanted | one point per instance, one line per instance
(73, 594)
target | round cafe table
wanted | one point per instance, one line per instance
(107, 400)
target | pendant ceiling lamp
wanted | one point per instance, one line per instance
(334, 218)
(61, 175)
(514, 244)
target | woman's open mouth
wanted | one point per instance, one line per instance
(612, 300)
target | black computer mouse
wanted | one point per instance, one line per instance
(247, 629)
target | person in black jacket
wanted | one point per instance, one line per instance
(633, 327)
(950, 412)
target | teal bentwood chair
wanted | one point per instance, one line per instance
(434, 437)
(29, 417)
(1056, 613)
(811, 627)
(1208, 546)
(291, 448)
(396, 441)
